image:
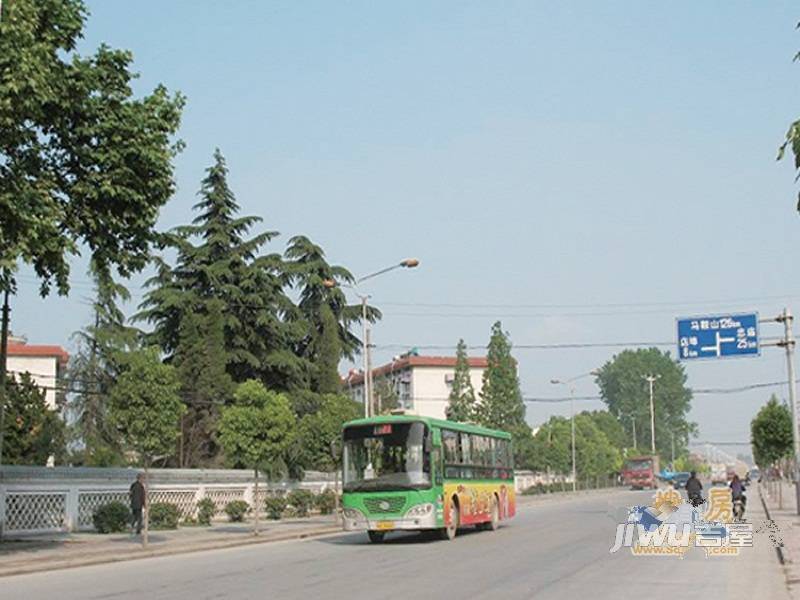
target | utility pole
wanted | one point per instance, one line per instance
(651, 379)
(572, 426)
(788, 343)
(365, 354)
(6, 280)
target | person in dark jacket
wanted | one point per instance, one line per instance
(138, 502)
(737, 487)
(693, 486)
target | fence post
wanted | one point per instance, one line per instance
(2, 509)
(72, 509)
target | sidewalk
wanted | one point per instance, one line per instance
(788, 524)
(26, 554)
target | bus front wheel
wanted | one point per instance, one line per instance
(376, 537)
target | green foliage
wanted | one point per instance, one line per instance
(206, 509)
(113, 517)
(328, 353)
(258, 429)
(307, 268)
(626, 393)
(317, 431)
(145, 406)
(93, 369)
(275, 506)
(84, 161)
(501, 405)
(301, 501)
(385, 395)
(236, 510)
(771, 433)
(205, 383)
(224, 267)
(164, 515)
(462, 403)
(33, 432)
(325, 502)
(595, 454)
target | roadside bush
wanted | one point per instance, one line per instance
(164, 515)
(325, 502)
(301, 500)
(236, 510)
(206, 509)
(274, 507)
(113, 517)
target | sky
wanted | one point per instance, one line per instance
(584, 172)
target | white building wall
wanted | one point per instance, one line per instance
(431, 389)
(43, 371)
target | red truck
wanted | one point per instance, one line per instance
(640, 472)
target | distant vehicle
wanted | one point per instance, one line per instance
(666, 475)
(679, 480)
(719, 473)
(754, 474)
(417, 473)
(639, 472)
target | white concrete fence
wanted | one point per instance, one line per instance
(63, 499)
(44, 499)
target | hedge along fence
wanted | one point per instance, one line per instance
(42, 499)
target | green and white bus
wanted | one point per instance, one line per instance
(404, 472)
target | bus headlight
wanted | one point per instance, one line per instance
(352, 513)
(420, 510)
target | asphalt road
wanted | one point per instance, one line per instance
(555, 549)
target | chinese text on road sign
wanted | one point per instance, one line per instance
(718, 336)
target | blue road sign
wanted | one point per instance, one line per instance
(718, 336)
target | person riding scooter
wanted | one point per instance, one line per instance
(738, 497)
(694, 489)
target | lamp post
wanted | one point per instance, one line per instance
(568, 384)
(408, 263)
(651, 379)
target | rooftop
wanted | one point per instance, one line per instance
(17, 348)
(405, 362)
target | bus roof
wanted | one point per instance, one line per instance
(453, 425)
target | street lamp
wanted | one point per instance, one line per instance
(651, 379)
(408, 263)
(568, 383)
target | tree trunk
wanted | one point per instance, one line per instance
(146, 530)
(256, 504)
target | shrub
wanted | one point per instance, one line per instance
(325, 502)
(301, 500)
(113, 517)
(206, 509)
(236, 510)
(274, 507)
(164, 515)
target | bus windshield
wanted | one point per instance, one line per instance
(385, 457)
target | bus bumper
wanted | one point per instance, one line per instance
(403, 524)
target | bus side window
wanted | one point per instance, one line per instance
(438, 466)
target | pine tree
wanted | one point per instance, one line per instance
(226, 266)
(328, 353)
(462, 403)
(205, 385)
(308, 269)
(501, 405)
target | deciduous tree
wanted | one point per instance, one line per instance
(145, 409)
(771, 433)
(34, 432)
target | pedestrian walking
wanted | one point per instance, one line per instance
(138, 502)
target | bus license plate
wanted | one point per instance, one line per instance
(384, 525)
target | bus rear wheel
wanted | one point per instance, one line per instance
(376, 537)
(494, 523)
(449, 532)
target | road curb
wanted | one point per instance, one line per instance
(52, 565)
(778, 549)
